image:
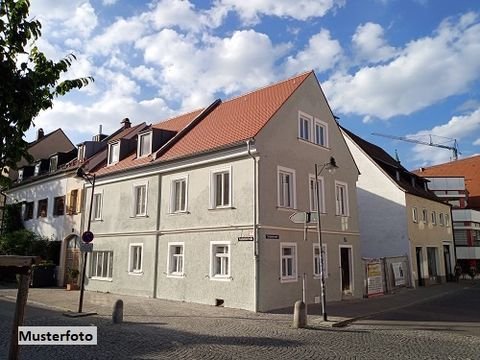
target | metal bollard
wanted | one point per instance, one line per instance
(117, 315)
(299, 315)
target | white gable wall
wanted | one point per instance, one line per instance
(382, 209)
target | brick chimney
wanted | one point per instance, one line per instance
(126, 123)
(40, 134)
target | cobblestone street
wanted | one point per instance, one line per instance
(189, 331)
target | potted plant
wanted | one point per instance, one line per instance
(72, 277)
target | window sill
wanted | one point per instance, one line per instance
(221, 278)
(222, 208)
(174, 276)
(101, 279)
(282, 208)
(317, 277)
(97, 220)
(139, 216)
(186, 212)
(314, 144)
(135, 273)
(288, 280)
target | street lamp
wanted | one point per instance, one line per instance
(331, 166)
(91, 179)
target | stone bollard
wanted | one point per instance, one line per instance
(299, 315)
(117, 315)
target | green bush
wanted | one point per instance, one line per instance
(24, 242)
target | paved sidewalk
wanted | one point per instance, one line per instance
(339, 313)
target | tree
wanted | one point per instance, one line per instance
(29, 81)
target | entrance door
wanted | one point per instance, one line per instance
(346, 268)
(448, 265)
(419, 257)
(72, 258)
(432, 265)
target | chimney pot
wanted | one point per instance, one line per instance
(40, 134)
(126, 123)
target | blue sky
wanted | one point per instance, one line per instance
(398, 67)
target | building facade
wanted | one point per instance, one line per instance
(458, 183)
(197, 208)
(399, 216)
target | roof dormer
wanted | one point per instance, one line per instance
(144, 144)
(113, 152)
(53, 163)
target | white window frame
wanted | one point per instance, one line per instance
(303, 119)
(170, 258)
(447, 220)
(131, 265)
(95, 216)
(293, 203)
(213, 257)
(36, 170)
(324, 125)
(213, 187)
(325, 261)
(54, 160)
(313, 195)
(110, 159)
(424, 215)
(340, 184)
(293, 277)
(433, 216)
(441, 220)
(139, 146)
(81, 153)
(135, 186)
(414, 215)
(173, 194)
(94, 257)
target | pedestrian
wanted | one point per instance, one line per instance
(458, 271)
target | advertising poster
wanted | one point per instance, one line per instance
(374, 279)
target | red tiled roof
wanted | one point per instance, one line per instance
(177, 123)
(469, 168)
(229, 123)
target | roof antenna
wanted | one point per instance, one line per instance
(100, 129)
(396, 156)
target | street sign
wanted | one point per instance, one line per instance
(272, 236)
(87, 236)
(84, 247)
(302, 217)
(245, 238)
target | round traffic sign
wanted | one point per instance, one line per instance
(87, 236)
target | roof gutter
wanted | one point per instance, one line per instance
(205, 112)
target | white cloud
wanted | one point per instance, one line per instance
(182, 14)
(193, 70)
(425, 71)
(120, 32)
(370, 44)
(251, 10)
(321, 53)
(83, 21)
(458, 127)
(109, 2)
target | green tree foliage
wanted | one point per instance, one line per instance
(24, 242)
(12, 220)
(29, 82)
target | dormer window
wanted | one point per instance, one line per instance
(144, 144)
(53, 163)
(37, 169)
(113, 153)
(81, 153)
(20, 175)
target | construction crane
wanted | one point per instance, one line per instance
(453, 148)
